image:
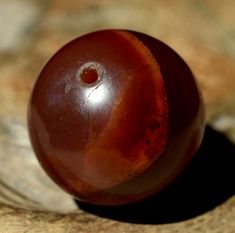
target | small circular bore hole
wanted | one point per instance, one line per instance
(90, 72)
(89, 75)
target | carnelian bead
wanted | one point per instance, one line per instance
(115, 116)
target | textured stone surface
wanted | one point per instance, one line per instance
(202, 32)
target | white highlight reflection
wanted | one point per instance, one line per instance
(97, 95)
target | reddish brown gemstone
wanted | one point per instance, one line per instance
(114, 116)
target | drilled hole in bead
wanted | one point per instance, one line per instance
(90, 73)
(89, 76)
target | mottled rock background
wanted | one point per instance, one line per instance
(202, 32)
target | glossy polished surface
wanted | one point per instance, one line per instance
(114, 116)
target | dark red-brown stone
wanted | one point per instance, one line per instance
(114, 116)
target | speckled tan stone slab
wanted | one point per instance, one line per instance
(202, 32)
